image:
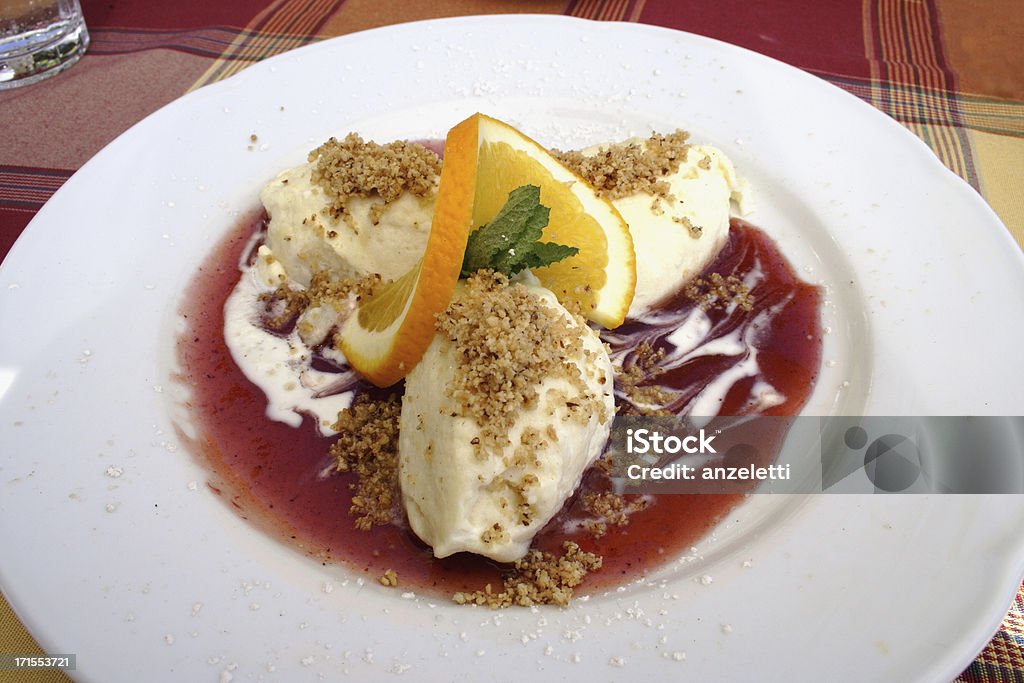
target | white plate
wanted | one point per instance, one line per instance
(924, 288)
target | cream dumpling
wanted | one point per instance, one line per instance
(511, 403)
(352, 219)
(675, 197)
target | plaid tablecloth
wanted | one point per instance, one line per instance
(950, 71)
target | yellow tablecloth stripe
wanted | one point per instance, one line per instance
(15, 639)
(1000, 161)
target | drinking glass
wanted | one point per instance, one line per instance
(39, 38)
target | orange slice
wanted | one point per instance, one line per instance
(386, 336)
(484, 160)
(601, 278)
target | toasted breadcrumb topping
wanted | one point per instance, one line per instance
(389, 578)
(354, 168)
(495, 534)
(629, 168)
(368, 445)
(507, 341)
(539, 578)
(284, 305)
(694, 230)
(719, 292)
(609, 509)
(633, 382)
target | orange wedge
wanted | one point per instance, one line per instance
(601, 278)
(484, 160)
(386, 336)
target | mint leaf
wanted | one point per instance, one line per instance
(508, 244)
(521, 219)
(545, 253)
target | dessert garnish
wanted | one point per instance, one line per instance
(484, 161)
(510, 241)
